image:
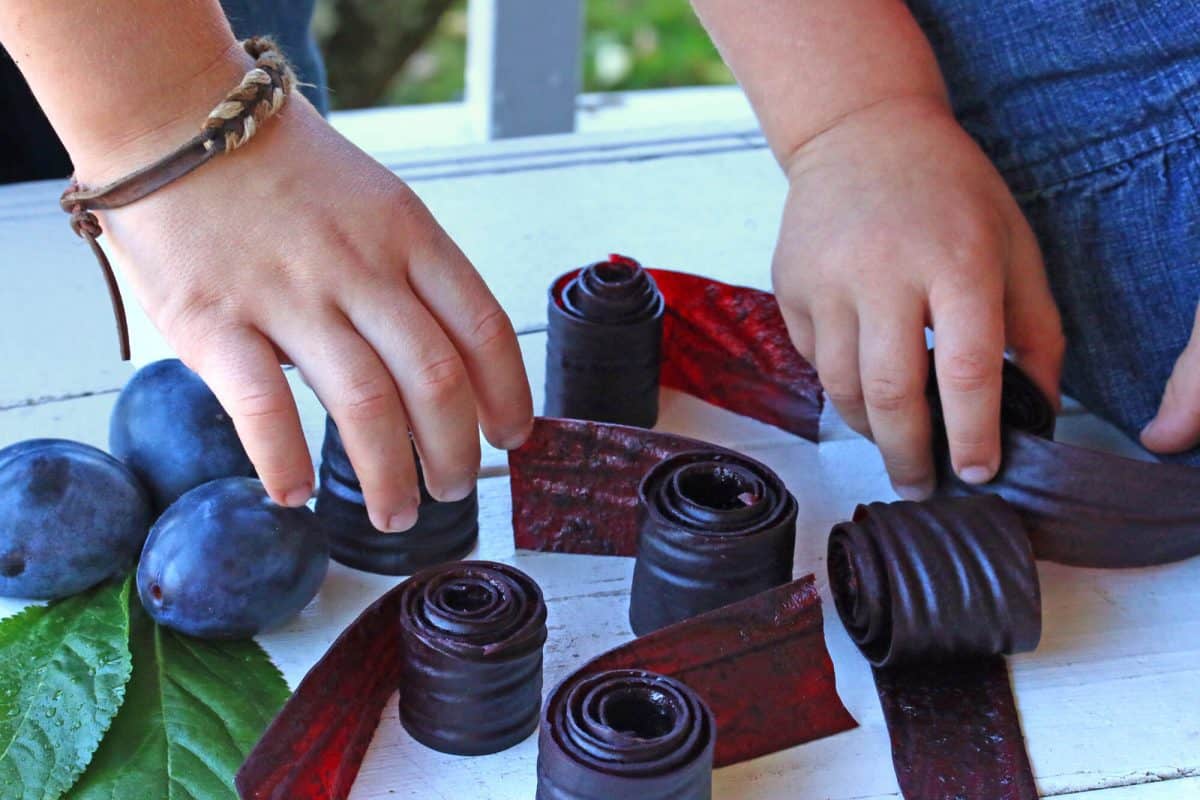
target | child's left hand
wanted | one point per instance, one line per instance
(1177, 426)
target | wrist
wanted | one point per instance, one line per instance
(153, 120)
(884, 115)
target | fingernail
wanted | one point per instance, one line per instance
(976, 474)
(914, 493)
(299, 496)
(400, 520)
(515, 440)
(459, 492)
(1149, 429)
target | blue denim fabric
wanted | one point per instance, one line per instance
(1090, 109)
(288, 21)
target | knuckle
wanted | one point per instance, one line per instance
(907, 469)
(969, 372)
(418, 227)
(441, 379)
(367, 400)
(1056, 341)
(192, 325)
(846, 395)
(494, 328)
(888, 393)
(279, 473)
(970, 442)
(976, 236)
(256, 403)
(403, 201)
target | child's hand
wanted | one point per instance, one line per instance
(301, 248)
(1177, 426)
(896, 221)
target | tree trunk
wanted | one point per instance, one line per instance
(370, 43)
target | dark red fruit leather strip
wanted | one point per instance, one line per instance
(574, 484)
(955, 731)
(314, 747)
(760, 665)
(1084, 507)
(728, 345)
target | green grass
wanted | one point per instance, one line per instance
(628, 44)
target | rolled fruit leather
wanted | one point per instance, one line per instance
(717, 527)
(463, 644)
(760, 665)
(443, 531)
(935, 594)
(472, 673)
(603, 345)
(727, 345)
(709, 526)
(625, 733)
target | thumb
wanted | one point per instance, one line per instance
(1177, 426)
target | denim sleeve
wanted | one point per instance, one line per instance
(290, 23)
(1090, 111)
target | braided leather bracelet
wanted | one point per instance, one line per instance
(235, 120)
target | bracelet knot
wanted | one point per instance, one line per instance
(258, 97)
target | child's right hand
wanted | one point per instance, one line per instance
(896, 221)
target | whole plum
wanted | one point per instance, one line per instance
(225, 562)
(70, 517)
(171, 430)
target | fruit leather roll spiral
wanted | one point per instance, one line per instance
(472, 677)
(709, 526)
(463, 644)
(936, 581)
(717, 527)
(604, 344)
(935, 594)
(625, 733)
(444, 531)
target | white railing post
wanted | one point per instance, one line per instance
(523, 65)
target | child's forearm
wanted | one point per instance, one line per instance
(122, 81)
(805, 64)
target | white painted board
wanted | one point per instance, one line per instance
(1111, 701)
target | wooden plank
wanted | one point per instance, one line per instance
(387, 131)
(1146, 787)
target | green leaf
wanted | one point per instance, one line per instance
(192, 712)
(63, 670)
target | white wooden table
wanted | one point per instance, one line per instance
(1110, 702)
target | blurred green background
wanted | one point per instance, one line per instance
(387, 52)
